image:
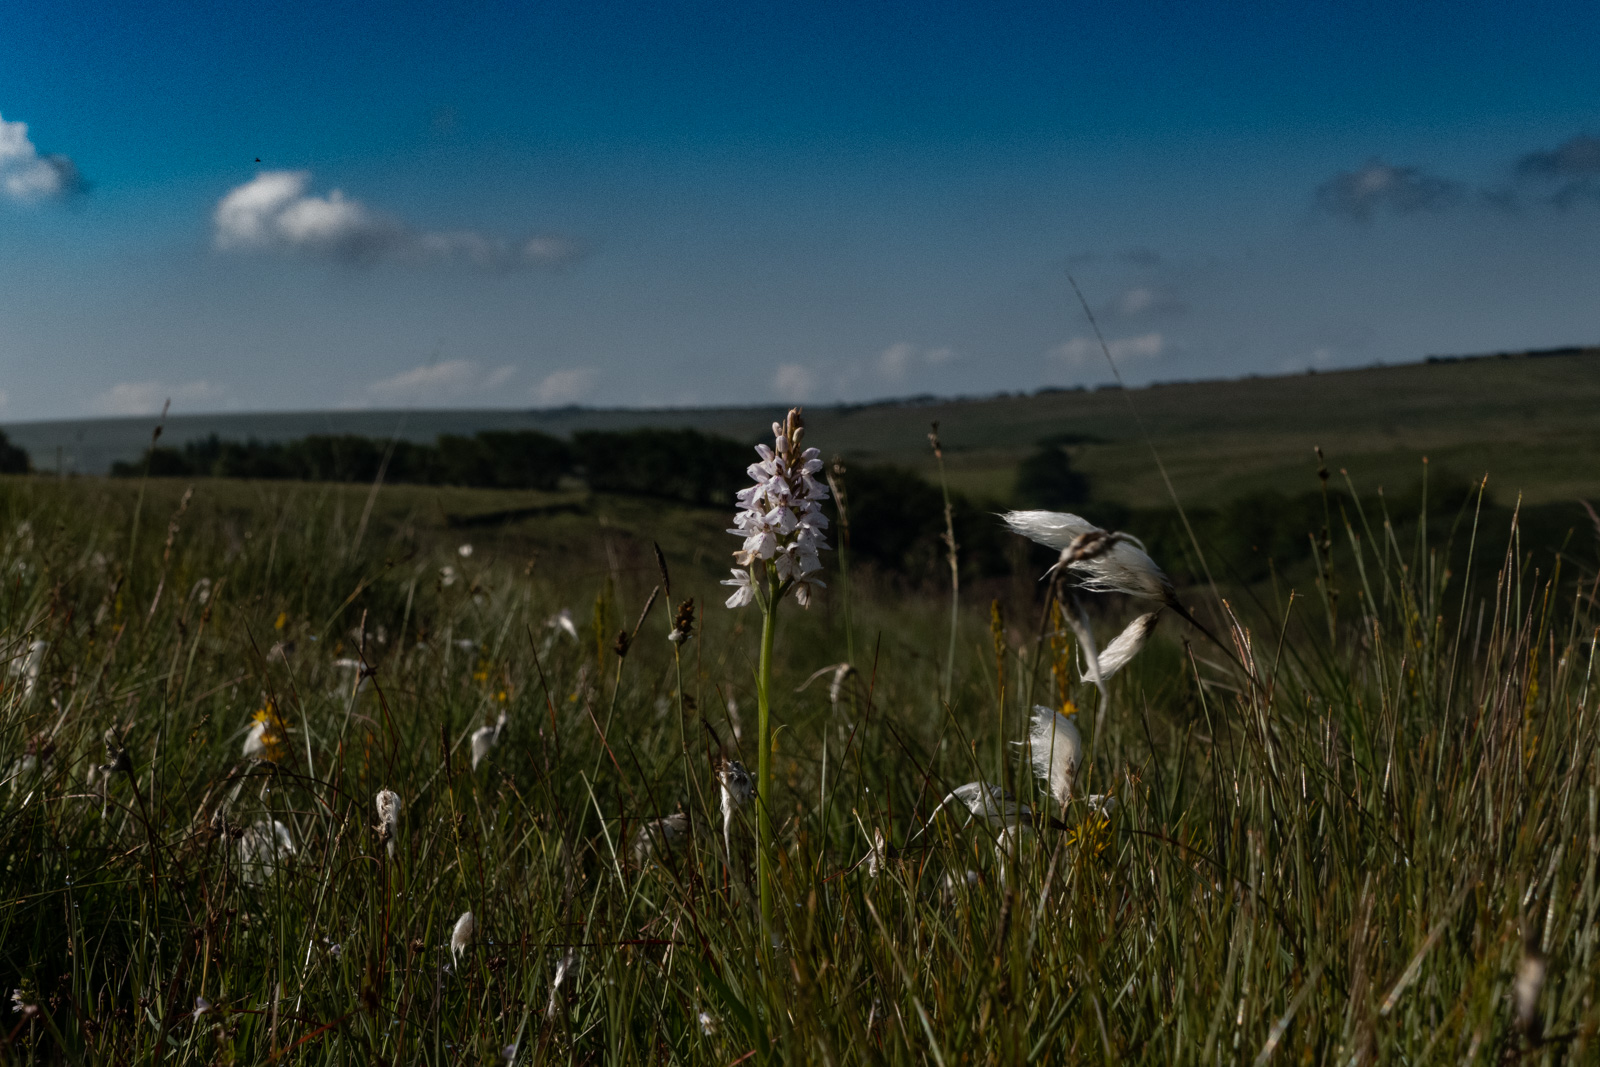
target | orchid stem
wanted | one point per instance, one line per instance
(769, 626)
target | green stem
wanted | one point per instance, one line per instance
(769, 626)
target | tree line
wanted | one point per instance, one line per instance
(683, 465)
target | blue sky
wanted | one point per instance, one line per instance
(520, 205)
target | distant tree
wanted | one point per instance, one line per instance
(157, 462)
(13, 460)
(686, 465)
(524, 459)
(1046, 479)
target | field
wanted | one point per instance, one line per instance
(1362, 825)
(1530, 421)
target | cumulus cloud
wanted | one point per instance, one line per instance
(273, 212)
(28, 176)
(1380, 187)
(1564, 175)
(793, 382)
(565, 386)
(1141, 301)
(900, 359)
(1084, 351)
(453, 380)
(148, 398)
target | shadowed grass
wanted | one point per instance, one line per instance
(1348, 861)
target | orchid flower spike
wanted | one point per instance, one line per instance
(388, 804)
(781, 521)
(1055, 749)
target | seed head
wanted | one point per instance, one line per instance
(1055, 749)
(1103, 562)
(562, 620)
(1127, 645)
(683, 623)
(388, 804)
(1525, 990)
(659, 838)
(737, 786)
(461, 935)
(261, 846)
(485, 738)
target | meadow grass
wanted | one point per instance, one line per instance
(1347, 851)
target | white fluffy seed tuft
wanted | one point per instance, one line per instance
(1055, 748)
(1128, 644)
(485, 738)
(1103, 562)
(388, 804)
(461, 935)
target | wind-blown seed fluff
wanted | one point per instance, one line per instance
(1127, 645)
(388, 804)
(485, 738)
(1103, 562)
(260, 848)
(255, 742)
(737, 790)
(659, 838)
(1055, 749)
(985, 801)
(461, 936)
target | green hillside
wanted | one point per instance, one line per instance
(1532, 423)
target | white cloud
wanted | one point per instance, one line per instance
(273, 212)
(565, 386)
(1142, 300)
(1378, 186)
(26, 175)
(453, 380)
(793, 382)
(897, 361)
(148, 398)
(1083, 351)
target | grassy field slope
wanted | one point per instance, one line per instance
(1532, 423)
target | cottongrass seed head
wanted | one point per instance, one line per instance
(984, 800)
(461, 934)
(1055, 748)
(660, 838)
(1103, 562)
(737, 787)
(1128, 644)
(388, 804)
(485, 738)
(261, 846)
(1525, 990)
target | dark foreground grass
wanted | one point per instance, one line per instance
(1347, 854)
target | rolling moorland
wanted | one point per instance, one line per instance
(1531, 420)
(1356, 815)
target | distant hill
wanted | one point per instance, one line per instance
(1532, 420)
